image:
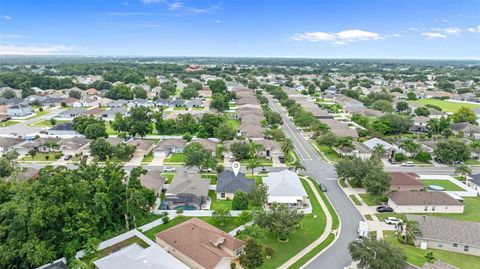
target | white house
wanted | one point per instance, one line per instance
(285, 187)
(474, 182)
(424, 202)
(19, 110)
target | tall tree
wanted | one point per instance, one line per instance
(251, 257)
(373, 254)
(464, 114)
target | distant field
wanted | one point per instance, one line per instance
(446, 105)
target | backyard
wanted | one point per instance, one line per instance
(218, 204)
(107, 251)
(417, 256)
(471, 213)
(446, 106)
(448, 185)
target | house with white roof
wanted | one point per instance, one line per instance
(389, 148)
(134, 256)
(285, 187)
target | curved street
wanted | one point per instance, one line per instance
(337, 256)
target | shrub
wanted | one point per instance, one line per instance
(269, 251)
(399, 157)
(179, 210)
(233, 265)
(165, 219)
(58, 155)
(423, 156)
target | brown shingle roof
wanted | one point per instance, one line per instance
(422, 198)
(197, 240)
(405, 179)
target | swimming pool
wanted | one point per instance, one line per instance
(185, 207)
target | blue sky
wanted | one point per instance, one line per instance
(425, 29)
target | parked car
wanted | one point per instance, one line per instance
(408, 164)
(206, 170)
(68, 157)
(384, 208)
(231, 159)
(281, 159)
(264, 170)
(322, 187)
(392, 160)
(392, 221)
(169, 169)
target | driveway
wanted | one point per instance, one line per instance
(135, 161)
(337, 256)
(157, 161)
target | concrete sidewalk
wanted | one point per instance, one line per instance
(326, 232)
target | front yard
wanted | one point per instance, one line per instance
(373, 200)
(8, 123)
(471, 213)
(417, 256)
(43, 157)
(448, 185)
(175, 158)
(328, 152)
(262, 162)
(148, 158)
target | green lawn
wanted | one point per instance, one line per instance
(329, 153)
(219, 204)
(229, 225)
(148, 158)
(262, 161)
(110, 130)
(41, 157)
(180, 108)
(175, 158)
(234, 123)
(472, 162)
(471, 213)
(417, 256)
(449, 186)
(445, 105)
(368, 217)
(372, 199)
(310, 229)
(169, 177)
(8, 123)
(355, 200)
(213, 178)
(39, 114)
(313, 252)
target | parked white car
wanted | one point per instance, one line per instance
(392, 221)
(408, 164)
(169, 169)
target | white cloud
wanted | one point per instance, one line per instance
(175, 5)
(5, 17)
(6, 49)
(152, 1)
(217, 21)
(204, 10)
(10, 36)
(452, 30)
(339, 38)
(474, 29)
(434, 35)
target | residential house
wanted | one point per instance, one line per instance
(154, 181)
(195, 103)
(252, 131)
(7, 143)
(207, 144)
(200, 245)
(447, 234)
(228, 183)
(401, 181)
(424, 202)
(187, 191)
(41, 145)
(435, 114)
(390, 148)
(73, 146)
(135, 256)
(110, 114)
(177, 103)
(169, 146)
(420, 124)
(96, 112)
(473, 181)
(24, 174)
(270, 149)
(467, 129)
(142, 146)
(118, 103)
(72, 113)
(285, 187)
(63, 129)
(161, 102)
(19, 110)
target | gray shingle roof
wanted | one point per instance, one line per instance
(448, 230)
(422, 198)
(229, 183)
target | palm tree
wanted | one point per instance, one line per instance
(378, 151)
(252, 164)
(254, 147)
(287, 146)
(320, 128)
(410, 146)
(463, 170)
(410, 231)
(297, 165)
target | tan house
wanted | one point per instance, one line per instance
(424, 202)
(400, 181)
(142, 146)
(154, 181)
(447, 234)
(200, 245)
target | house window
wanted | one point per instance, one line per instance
(222, 195)
(455, 245)
(440, 245)
(433, 208)
(426, 208)
(465, 248)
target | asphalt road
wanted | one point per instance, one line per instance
(22, 127)
(337, 256)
